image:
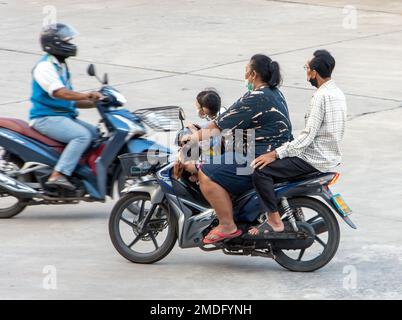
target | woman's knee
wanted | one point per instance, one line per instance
(203, 178)
(206, 184)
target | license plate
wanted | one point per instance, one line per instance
(341, 205)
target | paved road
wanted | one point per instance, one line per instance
(163, 53)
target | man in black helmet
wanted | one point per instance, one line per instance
(54, 103)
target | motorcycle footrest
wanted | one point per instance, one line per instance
(273, 236)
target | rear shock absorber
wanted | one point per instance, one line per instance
(288, 213)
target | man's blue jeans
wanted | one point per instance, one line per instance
(77, 133)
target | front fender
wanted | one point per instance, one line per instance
(150, 187)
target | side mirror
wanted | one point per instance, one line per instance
(105, 79)
(182, 116)
(91, 70)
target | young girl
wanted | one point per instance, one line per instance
(208, 105)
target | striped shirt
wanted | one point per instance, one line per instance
(319, 143)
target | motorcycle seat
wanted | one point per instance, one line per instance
(23, 128)
(280, 183)
(303, 177)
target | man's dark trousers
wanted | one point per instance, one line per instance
(277, 171)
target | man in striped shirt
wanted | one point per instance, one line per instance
(317, 148)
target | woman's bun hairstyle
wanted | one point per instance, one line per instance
(268, 70)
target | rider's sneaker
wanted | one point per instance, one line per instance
(61, 182)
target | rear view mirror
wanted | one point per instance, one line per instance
(91, 70)
(105, 79)
(182, 115)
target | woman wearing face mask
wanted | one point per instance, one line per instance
(261, 117)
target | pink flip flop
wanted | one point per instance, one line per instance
(221, 236)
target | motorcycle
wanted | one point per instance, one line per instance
(172, 208)
(27, 157)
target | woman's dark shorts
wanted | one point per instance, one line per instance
(231, 171)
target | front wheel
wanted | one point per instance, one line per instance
(327, 237)
(144, 236)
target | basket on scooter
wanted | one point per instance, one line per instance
(141, 164)
(166, 118)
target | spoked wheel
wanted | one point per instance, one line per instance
(143, 237)
(10, 205)
(327, 237)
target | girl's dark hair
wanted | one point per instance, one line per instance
(267, 69)
(209, 99)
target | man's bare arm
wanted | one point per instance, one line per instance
(83, 100)
(85, 104)
(65, 94)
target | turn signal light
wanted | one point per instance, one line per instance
(334, 179)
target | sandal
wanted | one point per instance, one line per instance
(61, 182)
(264, 228)
(220, 236)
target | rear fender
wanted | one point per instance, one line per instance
(30, 150)
(318, 190)
(27, 149)
(17, 188)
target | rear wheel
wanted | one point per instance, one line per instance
(145, 236)
(10, 205)
(327, 237)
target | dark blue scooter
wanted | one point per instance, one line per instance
(173, 209)
(27, 157)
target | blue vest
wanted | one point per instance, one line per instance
(43, 105)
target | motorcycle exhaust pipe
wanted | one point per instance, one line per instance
(16, 188)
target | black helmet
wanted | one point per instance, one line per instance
(55, 40)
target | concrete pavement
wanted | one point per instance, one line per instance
(163, 53)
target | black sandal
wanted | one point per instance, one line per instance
(263, 229)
